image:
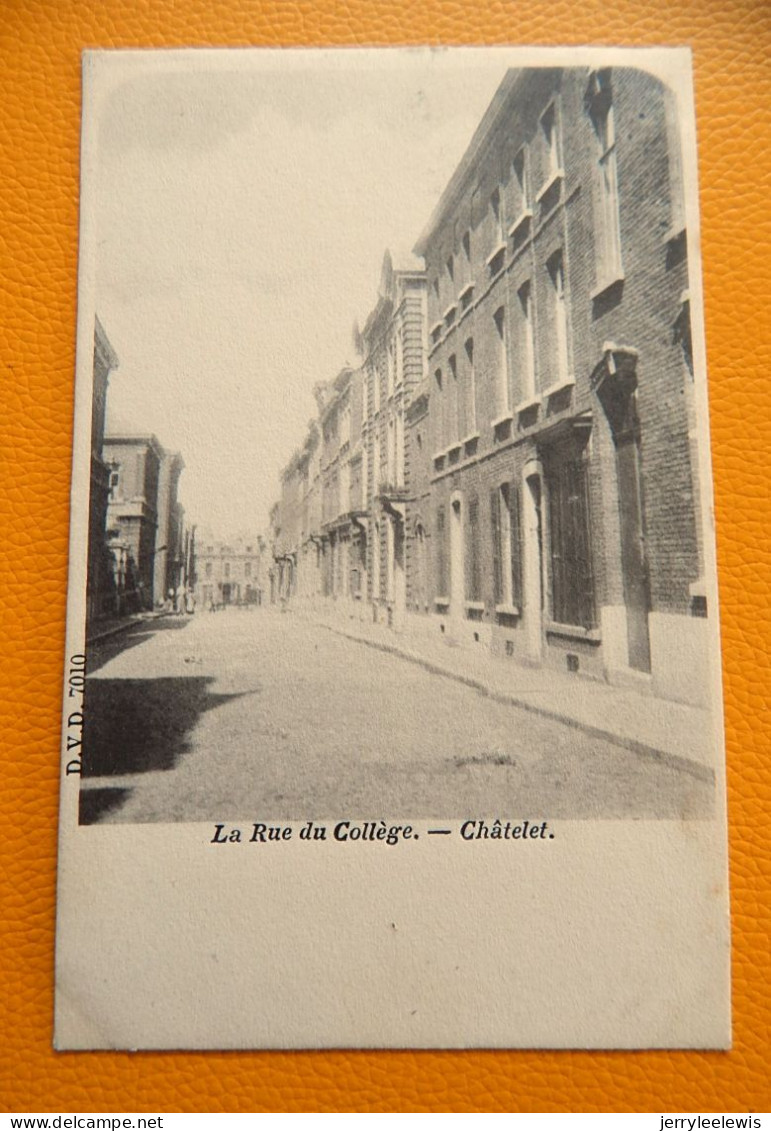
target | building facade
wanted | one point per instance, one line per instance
(393, 345)
(99, 592)
(132, 518)
(228, 572)
(170, 567)
(563, 497)
(513, 464)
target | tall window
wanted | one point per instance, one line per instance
(608, 224)
(375, 378)
(420, 568)
(473, 553)
(345, 488)
(496, 211)
(442, 587)
(572, 581)
(399, 357)
(345, 426)
(391, 452)
(375, 552)
(438, 415)
(455, 406)
(247, 569)
(556, 267)
(522, 196)
(674, 149)
(227, 569)
(376, 462)
(364, 482)
(471, 393)
(527, 339)
(501, 330)
(507, 547)
(551, 140)
(208, 569)
(399, 449)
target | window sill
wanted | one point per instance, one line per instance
(465, 297)
(698, 588)
(442, 602)
(474, 606)
(559, 387)
(472, 439)
(524, 218)
(573, 632)
(449, 314)
(557, 176)
(507, 610)
(528, 405)
(498, 250)
(507, 418)
(675, 232)
(438, 455)
(607, 284)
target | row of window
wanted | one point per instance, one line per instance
(501, 539)
(455, 385)
(226, 569)
(394, 369)
(509, 211)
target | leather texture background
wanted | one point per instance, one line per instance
(40, 42)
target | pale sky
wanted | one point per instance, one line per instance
(237, 207)
(242, 217)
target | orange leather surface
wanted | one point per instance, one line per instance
(40, 42)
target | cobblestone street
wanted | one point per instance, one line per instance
(255, 715)
(244, 715)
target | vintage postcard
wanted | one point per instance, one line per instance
(392, 705)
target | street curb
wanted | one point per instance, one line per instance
(664, 757)
(119, 628)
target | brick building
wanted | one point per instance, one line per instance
(99, 593)
(563, 509)
(144, 523)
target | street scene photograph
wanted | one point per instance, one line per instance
(399, 499)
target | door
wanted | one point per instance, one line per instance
(457, 577)
(634, 562)
(532, 562)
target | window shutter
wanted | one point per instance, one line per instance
(474, 587)
(495, 526)
(516, 543)
(441, 580)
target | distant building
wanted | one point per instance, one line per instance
(99, 593)
(228, 572)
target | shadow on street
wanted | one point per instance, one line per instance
(135, 726)
(100, 652)
(97, 803)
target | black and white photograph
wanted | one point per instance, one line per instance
(392, 523)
